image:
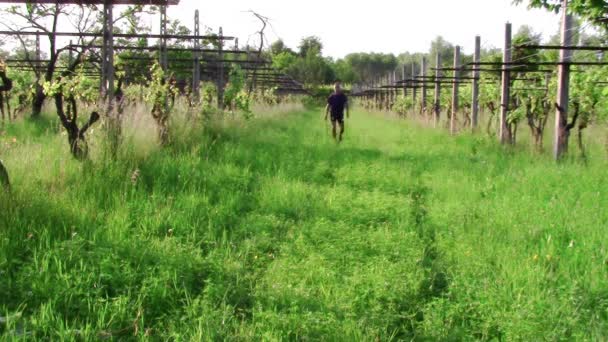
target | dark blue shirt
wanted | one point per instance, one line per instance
(337, 103)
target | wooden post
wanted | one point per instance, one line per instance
(393, 89)
(423, 74)
(560, 146)
(404, 76)
(38, 53)
(389, 91)
(455, 89)
(163, 61)
(196, 72)
(437, 103)
(414, 89)
(70, 54)
(505, 132)
(387, 94)
(475, 90)
(220, 77)
(107, 63)
(107, 82)
(375, 93)
(379, 91)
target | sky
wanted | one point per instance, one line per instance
(365, 26)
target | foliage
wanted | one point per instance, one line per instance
(345, 72)
(266, 96)
(367, 66)
(208, 95)
(445, 50)
(310, 46)
(77, 86)
(161, 94)
(590, 95)
(23, 89)
(135, 93)
(489, 96)
(235, 96)
(312, 69)
(279, 47)
(595, 11)
(403, 105)
(67, 92)
(318, 96)
(283, 61)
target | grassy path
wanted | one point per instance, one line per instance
(268, 230)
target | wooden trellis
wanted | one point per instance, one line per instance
(375, 90)
(108, 46)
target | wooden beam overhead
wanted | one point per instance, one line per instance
(95, 2)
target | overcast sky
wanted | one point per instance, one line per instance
(365, 26)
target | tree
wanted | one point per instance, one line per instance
(345, 72)
(594, 11)
(588, 99)
(279, 47)
(310, 45)
(67, 90)
(312, 69)
(445, 50)
(367, 66)
(161, 93)
(283, 61)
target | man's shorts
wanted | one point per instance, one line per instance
(339, 117)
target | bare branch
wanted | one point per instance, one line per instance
(264, 21)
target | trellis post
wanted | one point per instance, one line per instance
(163, 61)
(560, 146)
(414, 89)
(196, 74)
(424, 95)
(475, 90)
(505, 132)
(437, 102)
(220, 76)
(455, 89)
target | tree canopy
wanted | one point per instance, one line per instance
(595, 11)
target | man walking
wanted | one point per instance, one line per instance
(337, 103)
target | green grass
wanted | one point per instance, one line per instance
(268, 230)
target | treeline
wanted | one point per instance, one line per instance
(308, 65)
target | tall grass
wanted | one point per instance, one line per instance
(268, 230)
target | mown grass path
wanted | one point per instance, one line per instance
(269, 230)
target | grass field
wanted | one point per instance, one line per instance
(267, 230)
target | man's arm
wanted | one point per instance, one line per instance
(326, 111)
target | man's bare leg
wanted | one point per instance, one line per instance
(341, 131)
(333, 129)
